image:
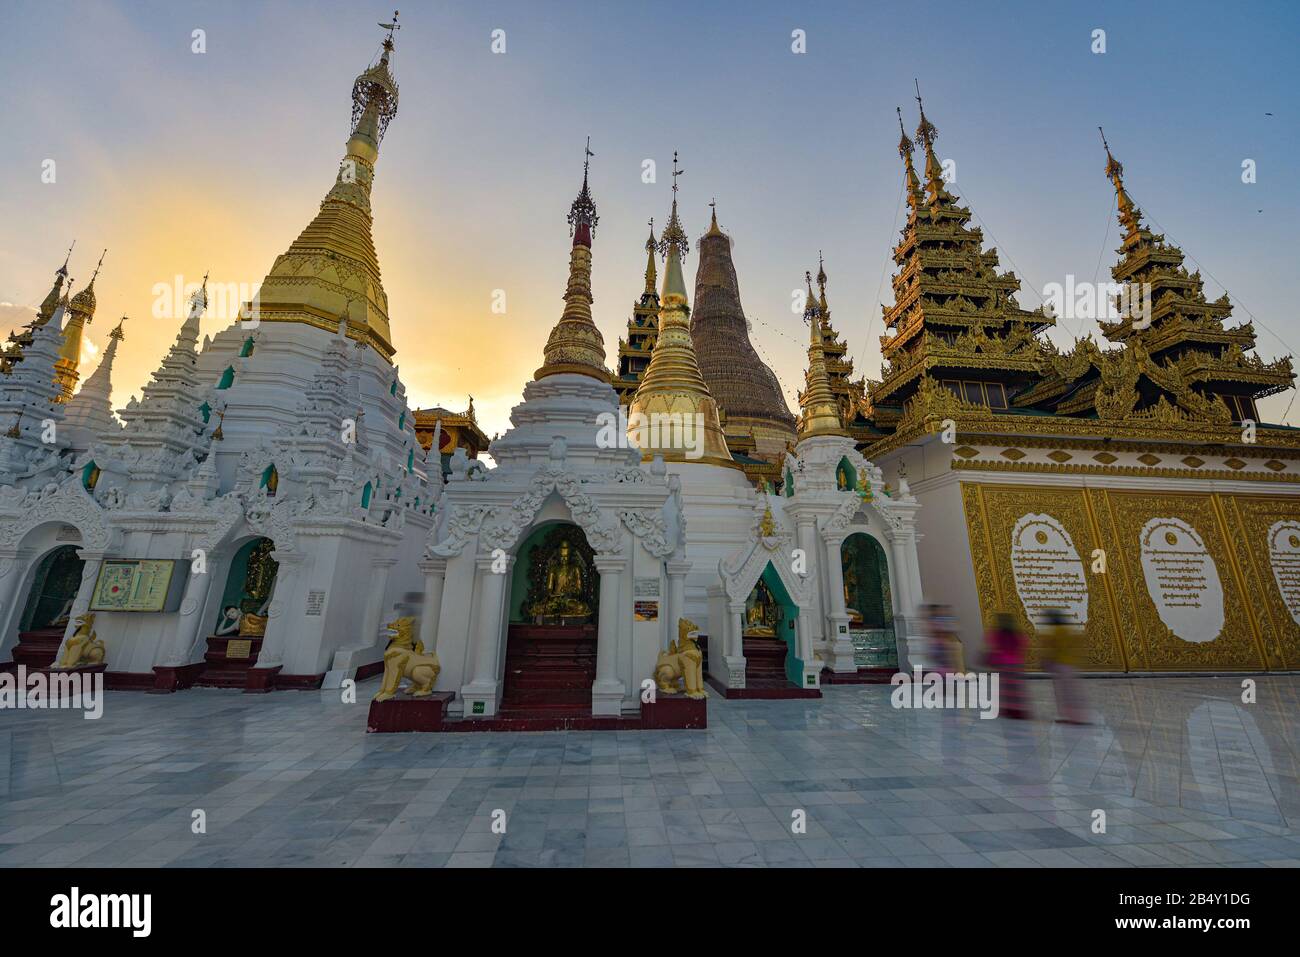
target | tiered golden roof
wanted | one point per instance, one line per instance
(955, 319)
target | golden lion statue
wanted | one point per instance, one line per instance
(683, 661)
(405, 658)
(84, 649)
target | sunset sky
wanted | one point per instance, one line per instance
(183, 162)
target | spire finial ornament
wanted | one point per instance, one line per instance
(117, 332)
(582, 217)
(390, 27)
(819, 412)
(912, 182)
(97, 265)
(1130, 217)
(673, 234)
(927, 134)
(575, 345)
(63, 270)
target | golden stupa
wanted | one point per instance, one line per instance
(672, 390)
(331, 270)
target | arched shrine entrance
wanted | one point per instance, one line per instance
(770, 635)
(550, 661)
(240, 618)
(49, 605)
(869, 603)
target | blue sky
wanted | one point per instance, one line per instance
(181, 162)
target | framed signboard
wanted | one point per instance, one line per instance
(138, 584)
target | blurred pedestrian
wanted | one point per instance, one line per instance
(1062, 651)
(1007, 645)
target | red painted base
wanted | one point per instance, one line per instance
(261, 680)
(863, 676)
(168, 679)
(367, 671)
(285, 682)
(674, 712)
(38, 648)
(789, 690)
(403, 713)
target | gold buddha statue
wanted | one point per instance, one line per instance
(761, 612)
(851, 591)
(565, 585)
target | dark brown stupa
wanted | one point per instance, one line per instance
(745, 388)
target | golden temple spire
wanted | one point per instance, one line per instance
(651, 274)
(575, 344)
(51, 302)
(820, 413)
(821, 288)
(331, 272)
(673, 413)
(1130, 217)
(913, 183)
(80, 312)
(927, 134)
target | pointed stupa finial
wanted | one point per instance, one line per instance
(582, 214)
(1130, 217)
(713, 226)
(56, 293)
(927, 134)
(674, 238)
(651, 274)
(84, 301)
(819, 413)
(117, 334)
(912, 182)
(575, 345)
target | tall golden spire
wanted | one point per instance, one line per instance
(575, 344)
(713, 226)
(820, 413)
(673, 413)
(821, 288)
(1130, 217)
(81, 312)
(927, 134)
(905, 147)
(331, 271)
(651, 275)
(51, 301)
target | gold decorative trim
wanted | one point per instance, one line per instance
(1125, 470)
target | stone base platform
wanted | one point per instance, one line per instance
(789, 690)
(405, 713)
(863, 676)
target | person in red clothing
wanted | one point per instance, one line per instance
(1007, 645)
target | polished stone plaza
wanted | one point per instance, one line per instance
(1185, 773)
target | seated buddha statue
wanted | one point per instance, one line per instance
(565, 584)
(850, 592)
(761, 612)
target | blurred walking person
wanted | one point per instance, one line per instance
(1007, 645)
(1062, 651)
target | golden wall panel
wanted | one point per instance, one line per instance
(1203, 622)
(1194, 581)
(1271, 569)
(997, 513)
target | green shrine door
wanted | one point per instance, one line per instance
(869, 602)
